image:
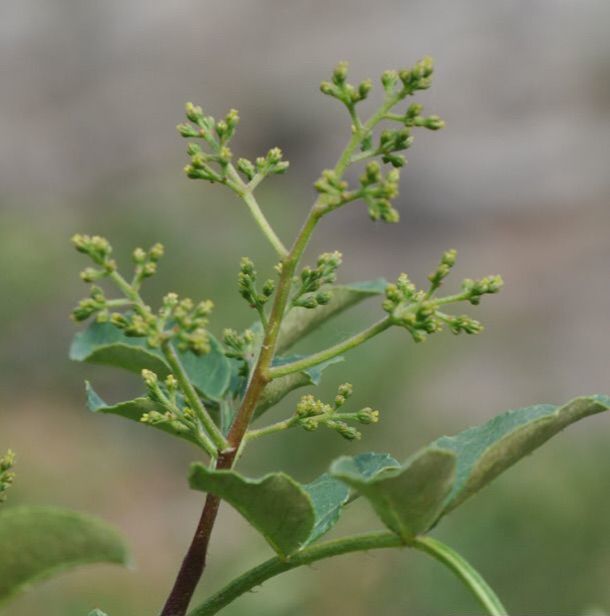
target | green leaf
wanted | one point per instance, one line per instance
(288, 514)
(328, 496)
(407, 499)
(299, 322)
(209, 373)
(485, 451)
(134, 409)
(276, 505)
(40, 541)
(103, 343)
(279, 388)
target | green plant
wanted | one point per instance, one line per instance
(209, 391)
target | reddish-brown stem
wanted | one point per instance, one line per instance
(194, 562)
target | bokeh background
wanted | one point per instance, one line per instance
(518, 183)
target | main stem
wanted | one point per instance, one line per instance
(194, 562)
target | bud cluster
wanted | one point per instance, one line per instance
(98, 249)
(413, 117)
(377, 190)
(146, 262)
(474, 289)
(393, 141)
(312, 413)
(270, 164)
(247, 285)
(178, 319)
(211, 165)
(419, 313)
(334, 189)
(407, 81)
(94, 304)
(181, 418)
(309, 294)
(214, 163)
(187, 321)
(340, 89)
(239, 347)
(6, 474)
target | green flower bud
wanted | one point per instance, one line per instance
(327, 88)
(367, 416)
(268, 288)
(322, 298)
(246, 167)
(156, 252)
(139, 256)
(346, 390)
(347, 432)
(193, 113)
(187, 131)
(340, 73)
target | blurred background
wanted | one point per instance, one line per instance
(518, 183)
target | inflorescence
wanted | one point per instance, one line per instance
(312, 413)
(182, 321)
(420, 313)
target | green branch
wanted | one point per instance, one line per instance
(246, 193)
(271, 429)
(465, 572)
(170, 355)
(275, 566)
(193, 397)
(358, 543)
(329, 353)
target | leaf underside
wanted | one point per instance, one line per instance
(133, 410)
(103, 343)
(38, 542)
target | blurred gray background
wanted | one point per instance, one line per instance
(517, 183)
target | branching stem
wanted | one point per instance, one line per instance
(172, 359)
(193, 398)
(317, 358)
(194, 561)
(246, 192)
